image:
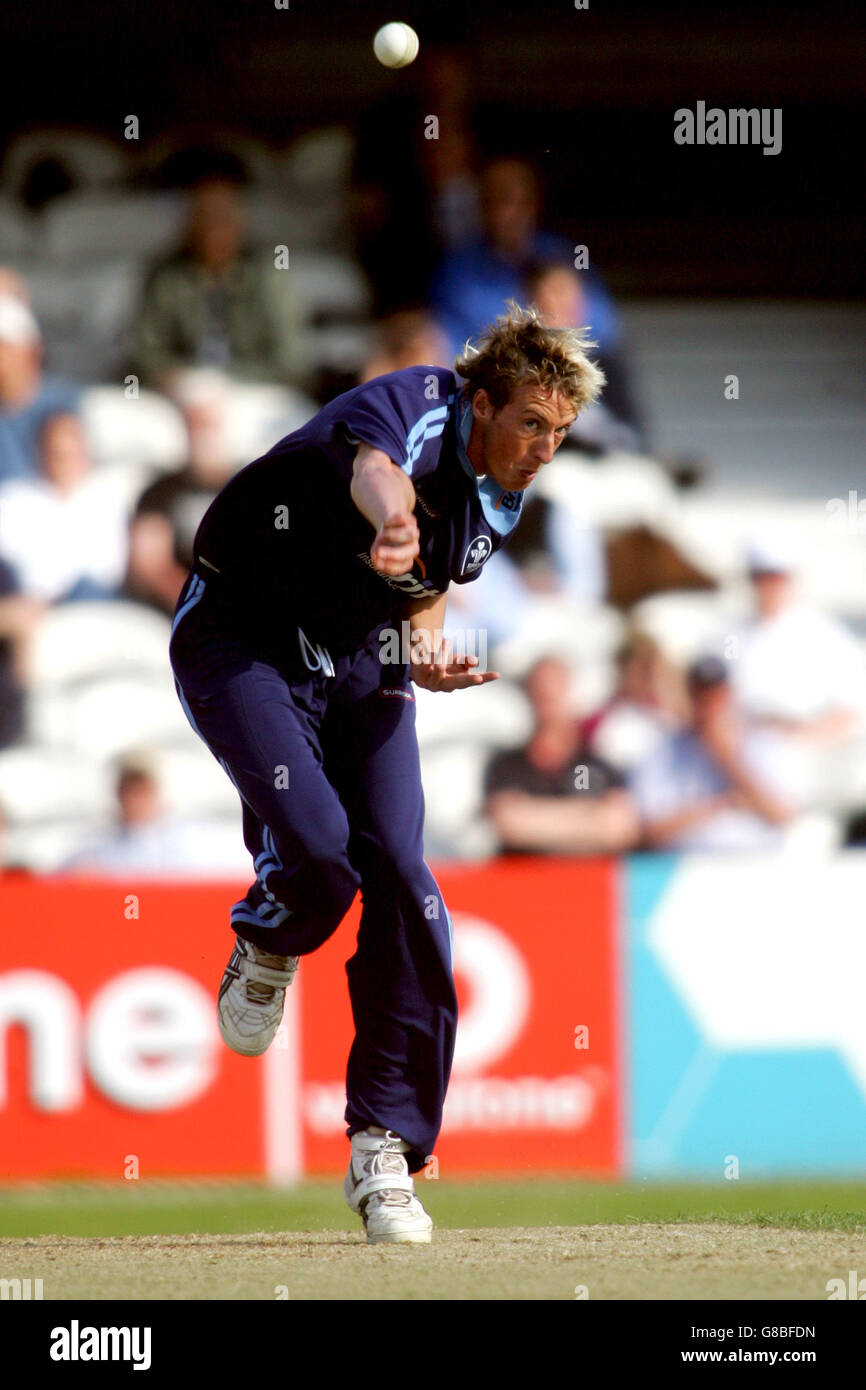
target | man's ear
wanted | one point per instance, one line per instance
(482, 406)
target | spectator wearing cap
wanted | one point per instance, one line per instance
(794, 669)
(28, 396)
(553, 796)
(716, 784)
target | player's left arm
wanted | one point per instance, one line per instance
(436, 666)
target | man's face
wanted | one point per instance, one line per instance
(773, 592)
(513, 443)
(509, 205)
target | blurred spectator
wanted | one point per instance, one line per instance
(794, 669)
(415, 189)
(168, 513)
(150, 842)
(18, 617)
(718, 784)
(27, 395)
(650, 701)
(473, 282)
(12, 284)
(63, 533)
(552, 796)
(612, 423)
(217, 302)
(410, 338)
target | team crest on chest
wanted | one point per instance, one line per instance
(477, 552)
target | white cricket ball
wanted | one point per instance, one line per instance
(396, 45)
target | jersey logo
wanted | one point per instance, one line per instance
(405, 583)
(426, 508)
(510, 501)
(316, 658)
(397, 694)
(477, 552)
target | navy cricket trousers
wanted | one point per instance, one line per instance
(326, 764)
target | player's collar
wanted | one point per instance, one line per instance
(501, 509)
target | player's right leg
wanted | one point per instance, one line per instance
(264, 732)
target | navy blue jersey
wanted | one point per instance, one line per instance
(283, 545)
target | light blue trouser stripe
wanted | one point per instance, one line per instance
(195, 593)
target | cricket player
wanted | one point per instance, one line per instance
(306, 567)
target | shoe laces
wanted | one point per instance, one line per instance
(396, 1197)
(387, 1159)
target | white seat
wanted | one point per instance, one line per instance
(621, 490)
(495, 715)
(16, 231)
(453, 780)
(85, 312)
(690, 625)
(107, 718)
(124, 430)
(91, 159)
(92, 225)
(260, 415)
(45, 847)
(331, 285)
(39, 785)
(81, 641)
(193, 783)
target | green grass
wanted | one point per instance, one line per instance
(157, 1208)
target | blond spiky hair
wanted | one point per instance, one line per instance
(519, 349)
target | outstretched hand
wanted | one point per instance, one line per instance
(446, 672)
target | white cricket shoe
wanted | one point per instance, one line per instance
(251, 997)
(380, 1189)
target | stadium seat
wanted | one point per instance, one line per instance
(453, 778)
(85, 311)
(17, 231)
(492, 716)
(331, 286)
(259, 415)
(108, 717)
(193, 783)
(38, 785)
(81, 642)
(47, 846)
(92, 160)
(621, 490)
(87, 226)
(690, 625)
(124, 431)
(585, 635)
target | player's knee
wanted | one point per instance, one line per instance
(329, 889)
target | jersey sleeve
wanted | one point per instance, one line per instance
(403, 414)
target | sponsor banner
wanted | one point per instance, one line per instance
(111, 1062)
(110, 1059)
(536, 1080)
(746, 1025)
